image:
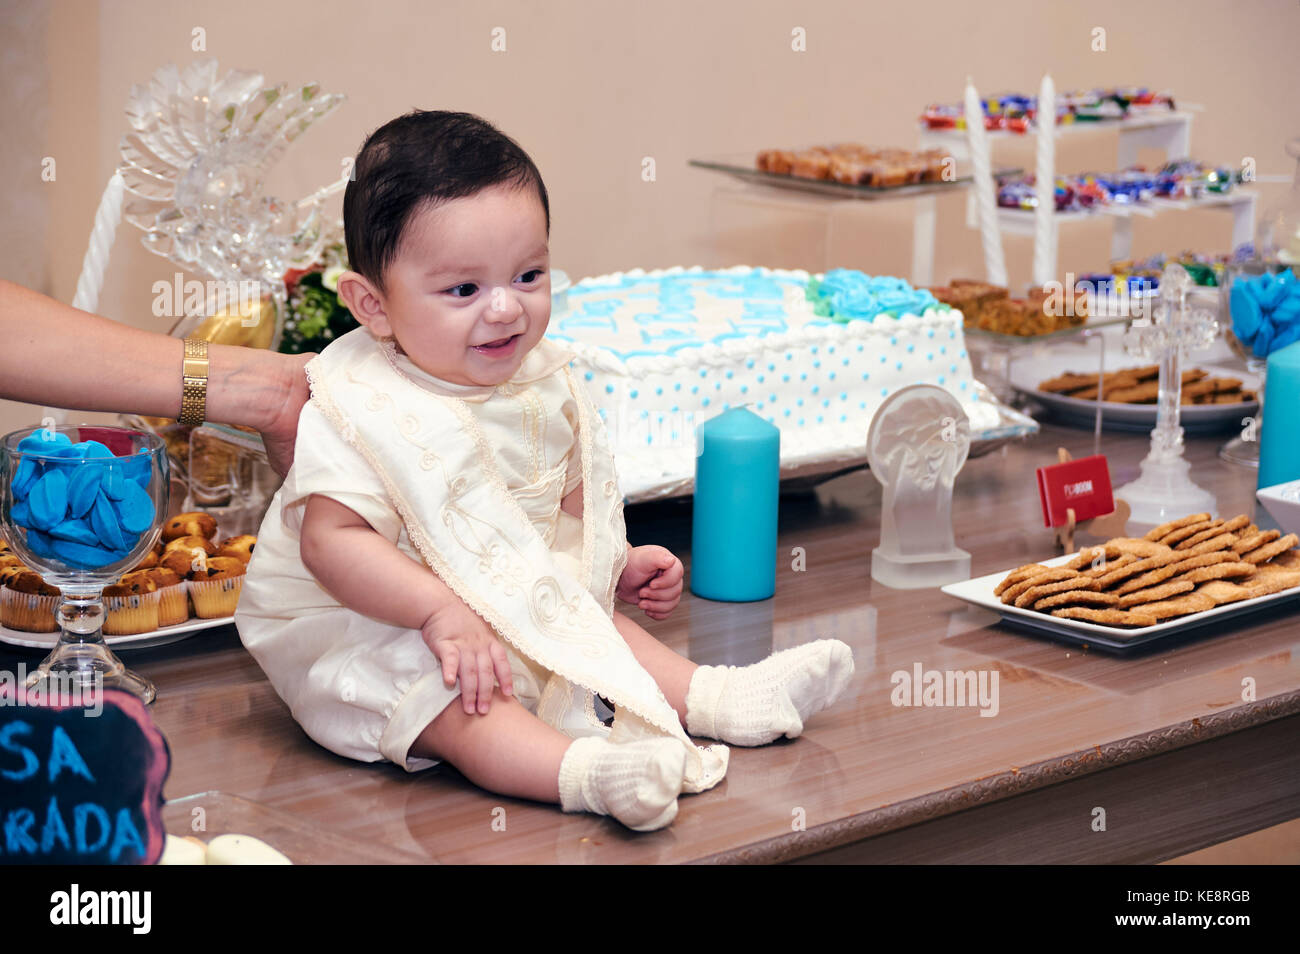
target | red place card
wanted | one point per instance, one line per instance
(1082, 484)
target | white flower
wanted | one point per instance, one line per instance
(330, 279)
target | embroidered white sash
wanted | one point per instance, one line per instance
(441, 474)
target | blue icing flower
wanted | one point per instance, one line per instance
(896, 301)
(854, 303)
(887, 283)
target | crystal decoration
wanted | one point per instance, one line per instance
(1164, 490)
(917, 443)
(194, 164)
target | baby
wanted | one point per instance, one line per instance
(435, 580)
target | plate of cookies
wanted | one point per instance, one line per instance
(189, 581)
(1130, 590)
(1212, 399)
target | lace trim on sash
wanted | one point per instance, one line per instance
(320, 396)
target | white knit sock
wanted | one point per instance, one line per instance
(752, 705)
(635, 782)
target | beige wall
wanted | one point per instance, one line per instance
(590, 87)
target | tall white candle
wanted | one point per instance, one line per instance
(1045, 185)
(93, 266)
(995, 266)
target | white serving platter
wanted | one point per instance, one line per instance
(979, 591)
(158, 637)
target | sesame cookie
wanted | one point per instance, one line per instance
(1167, 528)
(1153, 594)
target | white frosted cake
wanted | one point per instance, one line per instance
(815, 355)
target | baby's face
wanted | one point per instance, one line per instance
(469, 273)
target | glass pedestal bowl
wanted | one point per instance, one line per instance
(80, 506)
(1244, 448)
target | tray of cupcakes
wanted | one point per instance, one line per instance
(189, 581)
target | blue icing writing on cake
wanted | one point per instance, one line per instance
(662, 351)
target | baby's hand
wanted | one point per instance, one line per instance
(652, 580)
(466, 646)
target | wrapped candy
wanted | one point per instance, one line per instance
(87, 513)
(1266, 311)
(1016, 113)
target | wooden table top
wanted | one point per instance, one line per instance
(863, 768)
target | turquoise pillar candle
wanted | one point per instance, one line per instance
(737, 488)
(1279, 438)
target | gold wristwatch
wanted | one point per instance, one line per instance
(194, 379)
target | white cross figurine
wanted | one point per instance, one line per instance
(1164, 490)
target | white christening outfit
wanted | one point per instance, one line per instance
(468, 481)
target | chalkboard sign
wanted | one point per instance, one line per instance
(80, 784)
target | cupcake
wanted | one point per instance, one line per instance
(191, 543)
(193, 524)
(215, 591)
(184, 562)
(27, 602)
(173, 602)
(130, 606)
(150, 559)
(241, 547)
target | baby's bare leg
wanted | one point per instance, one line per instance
(509, 750)
(747, 705)
(671, 670)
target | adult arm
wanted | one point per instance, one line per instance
(58, 356)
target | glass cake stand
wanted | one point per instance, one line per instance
(80, 506)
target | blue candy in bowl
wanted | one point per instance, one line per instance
(79, 513)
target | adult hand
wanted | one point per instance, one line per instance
(280, 432)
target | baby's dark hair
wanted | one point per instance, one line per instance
(424, 156)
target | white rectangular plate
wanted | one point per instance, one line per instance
(158, 637)
(1283, 502)
(979, 591)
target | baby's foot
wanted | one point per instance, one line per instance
(635, 782)
(752, 705)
